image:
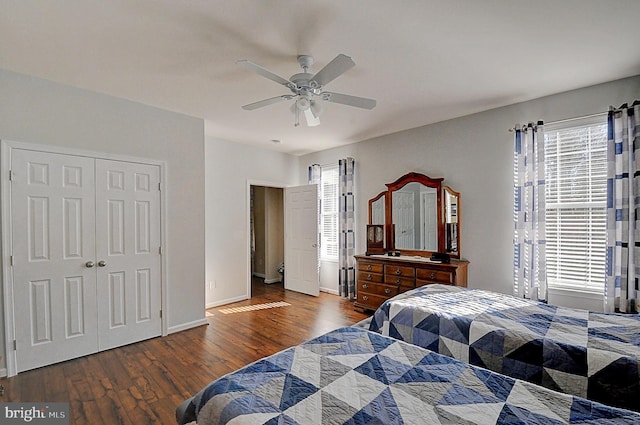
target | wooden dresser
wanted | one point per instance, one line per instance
(380, 277)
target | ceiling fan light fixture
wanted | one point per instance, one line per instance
(296, 113)
(303, 103)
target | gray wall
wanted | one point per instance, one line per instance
(230, 169)
(42, 112)
(475, 156)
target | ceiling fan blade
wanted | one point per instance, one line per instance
(312, 120)
(264, 72)
(270, 101)
(345, 99)
(338, 66)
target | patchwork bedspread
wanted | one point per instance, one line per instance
(591, 355)
(354, 376)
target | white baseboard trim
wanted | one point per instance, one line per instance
(227, 301)
(260, 275)
(3, 372)
(274, 280)
(185, 326)
(330, 291)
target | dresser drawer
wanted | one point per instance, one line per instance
(407, 282)
(435, 276)
(370, 267)
(378, 288)
(369, 301)
(399, 271)
(369, 277)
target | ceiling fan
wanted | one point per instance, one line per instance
(307, 89)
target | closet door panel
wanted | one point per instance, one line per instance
(128, 242)
(53, 238)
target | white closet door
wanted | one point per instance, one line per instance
(127, 252)
(52, 198)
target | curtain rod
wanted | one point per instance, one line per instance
(511, 130)
(577, 118)
(611, 108)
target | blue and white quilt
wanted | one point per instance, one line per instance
(591, 355)
(354, 376)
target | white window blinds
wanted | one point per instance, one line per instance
(576, 192)
(329, 212)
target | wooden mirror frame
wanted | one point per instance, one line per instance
(390, 230)
(435, 183)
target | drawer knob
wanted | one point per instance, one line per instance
(365, 286)
(398, 272)
(398, 281)
(369, 267)
(433, 275)
(365, 298)
(368, 277)
(387, 291)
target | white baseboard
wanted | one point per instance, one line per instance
(185, 326)
(274, 280)
(227, 301)
(260, 275)
(330, 291)
(3, 372)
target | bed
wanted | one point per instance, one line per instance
(591, 355)
(355, 376)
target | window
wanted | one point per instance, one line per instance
(329, 212)
(575, 197)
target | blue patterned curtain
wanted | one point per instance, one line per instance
(529, 270)
(346, 216)
(623, 201)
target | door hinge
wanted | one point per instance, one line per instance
(11, 260)
(160, 250)
(15, 345)
(161, 314)
(10, 175)
(159, 186)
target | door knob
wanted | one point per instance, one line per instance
(102, 263)
(89, 264)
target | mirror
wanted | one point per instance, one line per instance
(415, 217)
(451, 220)
(421, 216)
(377, 209)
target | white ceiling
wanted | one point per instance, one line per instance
(423, 60)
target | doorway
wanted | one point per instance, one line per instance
(267, 235)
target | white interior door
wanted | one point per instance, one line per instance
(127, 252)
(301, 239)
(52, 198)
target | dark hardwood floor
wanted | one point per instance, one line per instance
(143, 383)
